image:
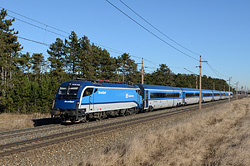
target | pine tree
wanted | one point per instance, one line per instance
(8, 52)
(87, 61)
(163, 76)
(127, 67)
(72, 51)
(38, 63)
(57, 57)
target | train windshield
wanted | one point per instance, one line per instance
(68, 92)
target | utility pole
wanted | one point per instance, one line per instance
(214, 85)
(200, 85)
(229, 89)
(237, 89)
(246, 91)
(142, 72)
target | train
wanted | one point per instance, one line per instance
(84, 100)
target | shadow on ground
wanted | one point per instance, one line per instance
(46, 121)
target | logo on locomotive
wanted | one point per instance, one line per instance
(102, 92)
(127, 96)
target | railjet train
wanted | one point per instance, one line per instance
(85, 100)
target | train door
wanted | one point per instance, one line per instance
(88, 95)
(146, 98)
(183, 97)
(173, 98)
(91, 100)
(138, 98)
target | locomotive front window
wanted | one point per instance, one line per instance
(69, 92)
(62, 90)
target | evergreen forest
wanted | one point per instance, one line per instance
(28, 83)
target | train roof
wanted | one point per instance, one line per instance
(207, 91)
(76, 83)
(117, 85)
(145, 86)
(103, 84)
(189, 89)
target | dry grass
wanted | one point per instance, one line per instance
(218, 137)
(17, 121)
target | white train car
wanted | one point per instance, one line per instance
(207, 95)
(161, 96)
(190, 95)
(216, 95)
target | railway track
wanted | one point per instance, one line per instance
(6, 136)
(20, 132)
(30, 144)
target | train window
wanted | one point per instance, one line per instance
(88, 92)
(73, 90)
(189, 94)
(192, 94)
(62, 90)
(207, 94)
(69, 92)
(164, 95)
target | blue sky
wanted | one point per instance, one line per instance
(219, 30)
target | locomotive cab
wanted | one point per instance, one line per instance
(66, 104)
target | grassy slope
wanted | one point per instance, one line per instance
(217, 137)
(17, 121)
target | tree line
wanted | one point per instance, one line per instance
(28, 83)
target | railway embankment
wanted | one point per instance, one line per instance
(216, 136)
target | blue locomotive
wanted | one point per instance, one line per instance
(81, 100)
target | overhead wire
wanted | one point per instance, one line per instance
(33, 41)
(158, 29)
(36, 26)
(214, 70)
(151, 32)
(190, 71)
(168, 36)
(35, 20)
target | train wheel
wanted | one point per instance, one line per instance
(83, 119)
(122, 112)
(98, 115)
(150, 108)
(104, 115)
